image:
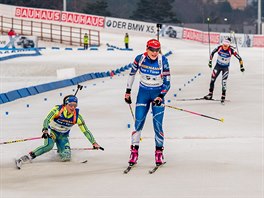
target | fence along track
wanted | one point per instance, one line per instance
(50, 32)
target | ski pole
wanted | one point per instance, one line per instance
(209, 41)
(206, 116)
(85, 149)
(78, 87)
(235, 41)
(132, 113)
(22, 140)
(93, 148)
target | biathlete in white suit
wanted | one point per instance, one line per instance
(154, 84)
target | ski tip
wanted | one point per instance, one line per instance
(222, 119)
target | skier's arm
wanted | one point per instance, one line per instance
(234, 52)
(85, 130)
(53, 112)
(132, 75)
(214, 51)
(242, 69)
(130, 80)
(166, 82)
(166, 78)
(133, 71)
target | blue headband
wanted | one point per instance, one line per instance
(71, 99)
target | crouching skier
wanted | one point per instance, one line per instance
(59, 121)
(154, 84)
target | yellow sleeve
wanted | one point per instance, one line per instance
(53, 112)
(85, 130)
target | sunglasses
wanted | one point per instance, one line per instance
(154, 49)
(72, 105)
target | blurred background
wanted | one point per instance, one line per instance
(241, 16)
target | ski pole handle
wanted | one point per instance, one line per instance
(22, 140)
(78, 87)
(101, 148)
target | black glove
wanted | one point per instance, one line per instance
(128, 96)
(45, 134)
(210, 64)
(158, 100)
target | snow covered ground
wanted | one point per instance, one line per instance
(205, 158)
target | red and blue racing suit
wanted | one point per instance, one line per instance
(222, 65)
(154, 81)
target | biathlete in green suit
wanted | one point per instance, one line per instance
(56, 129)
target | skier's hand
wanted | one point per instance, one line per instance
(157, 101)
(128, 96)
(210, 64)
(242, 69)
(45, 134)
(97, 146)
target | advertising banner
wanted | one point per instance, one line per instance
(203, 37)
(191, 34)
(59, 16)
(129, 26)
(171, 31)
(214, 37)
(18, 42)
(240, 40)
(258, 40)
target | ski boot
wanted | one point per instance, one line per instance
(209, 96)
(159, 156)
(134, 155)
(222, 99)
(24, 159)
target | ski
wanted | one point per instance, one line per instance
(130, 166)
(18, 163)
(156, 168)
(192, 99)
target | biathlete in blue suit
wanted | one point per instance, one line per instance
(224, 51)
(154, 84)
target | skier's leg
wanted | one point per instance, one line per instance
(142, 107)
(158, 114)
(64, 145)
(225, 73)
(48, 145)
(215, 73)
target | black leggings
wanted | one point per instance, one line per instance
(216, 71)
